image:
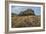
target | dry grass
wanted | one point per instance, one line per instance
(25, 21)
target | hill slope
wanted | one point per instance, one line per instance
(25, 21)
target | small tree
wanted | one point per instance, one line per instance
(13, 14)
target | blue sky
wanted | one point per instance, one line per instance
(18, 9)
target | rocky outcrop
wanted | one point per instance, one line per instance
(27, 12)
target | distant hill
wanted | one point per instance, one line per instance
(24, 13)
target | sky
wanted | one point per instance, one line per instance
(18, 9)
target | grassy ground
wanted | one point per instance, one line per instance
(25, 21)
